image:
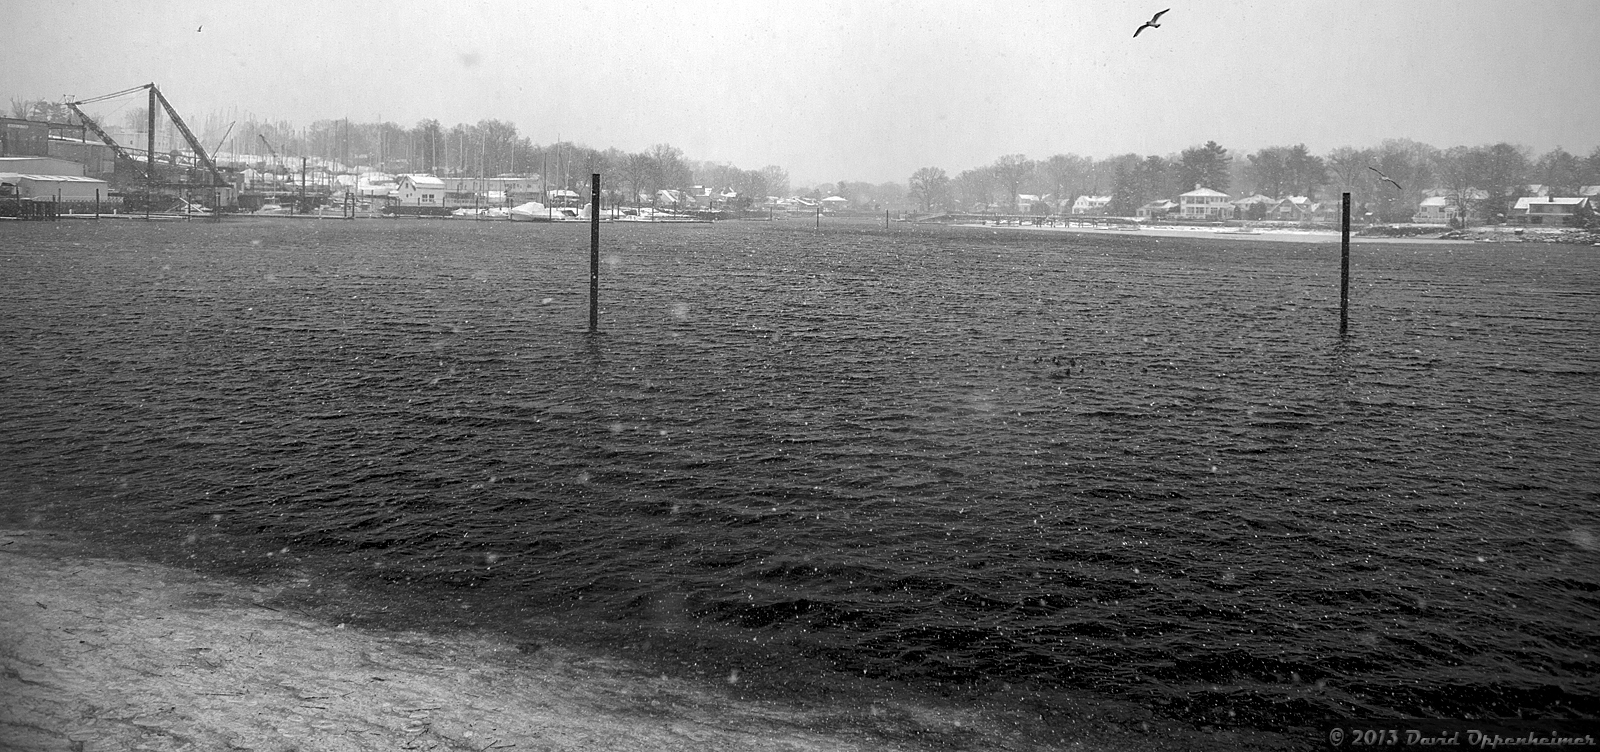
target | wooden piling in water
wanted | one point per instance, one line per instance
(1344, 268)
(594, 253)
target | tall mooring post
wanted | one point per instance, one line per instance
(150, 156)
(594, 253)
(1344, 268)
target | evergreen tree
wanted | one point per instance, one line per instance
(1206, 166)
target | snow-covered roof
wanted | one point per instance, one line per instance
(423, 181)
(1527, 201)
(1256, 199)
(12, 176)
(1198, 192)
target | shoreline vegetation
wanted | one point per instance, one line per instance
(121, 653)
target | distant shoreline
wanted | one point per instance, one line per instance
(1565, 236)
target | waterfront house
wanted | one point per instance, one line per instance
(1291, 209)
(1441, 210)
(1158, 209)
(1204, 203)
(1548, 210)
(1026, 202)
(668, 198)
(1090, 205)
(1253, 207)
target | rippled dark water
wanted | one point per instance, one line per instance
(1142, 467)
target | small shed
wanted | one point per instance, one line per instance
(419, 190)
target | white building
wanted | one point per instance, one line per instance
(1547, 210)
(1204, 203)
(1437, 210)
(64, 188)
(421, 191)
(1091, 204)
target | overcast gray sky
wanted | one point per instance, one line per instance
(857, 90)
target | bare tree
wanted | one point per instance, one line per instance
(930, 187)
(1560, 172)
(1009, 173)
(777, 179)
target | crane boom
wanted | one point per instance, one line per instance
(98, 131)
(224, 138)
(188, 135)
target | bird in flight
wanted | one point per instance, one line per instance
(1386, 178)
(202, 28)
(1150, 24)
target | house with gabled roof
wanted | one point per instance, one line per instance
(1254, 207)
(1157, 209)
(1291, 209)
(422, 191)
(670, 198)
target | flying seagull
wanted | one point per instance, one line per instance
(1384, 177)
(1150, 24)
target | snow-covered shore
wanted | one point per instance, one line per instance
(102, 654)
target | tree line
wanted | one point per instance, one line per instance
(1489, 177)
(487, 148)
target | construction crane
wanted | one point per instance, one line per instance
(156, 97)
(98, 131)
(270, 150)
(224, 138)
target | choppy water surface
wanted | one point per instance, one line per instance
(1142, 467)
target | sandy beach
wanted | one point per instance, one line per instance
(101, 654)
